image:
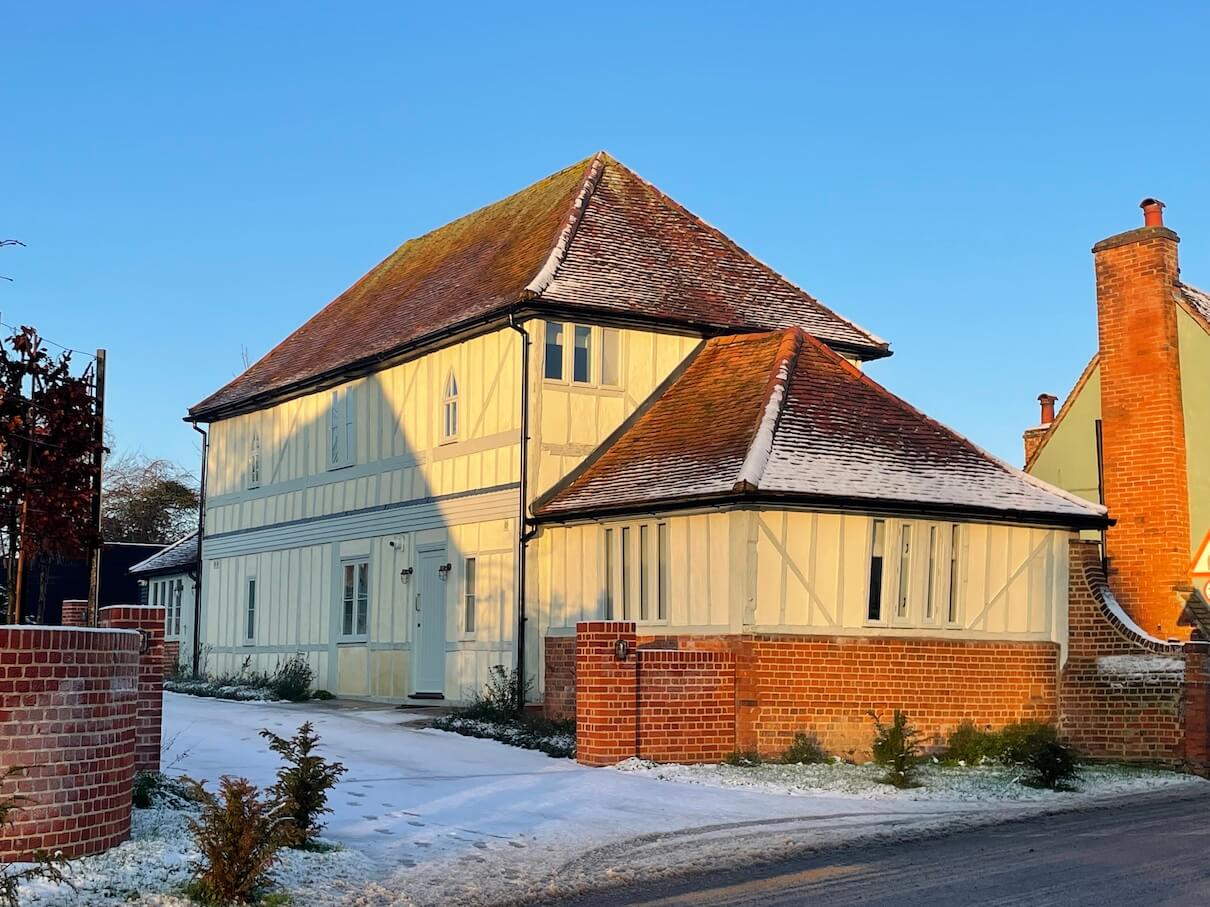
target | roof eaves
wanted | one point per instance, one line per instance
(761, 446)
(546, 274)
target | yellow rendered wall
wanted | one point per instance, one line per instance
(1069, 459)
(1195, 396)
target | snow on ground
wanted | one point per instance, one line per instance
(427, 817)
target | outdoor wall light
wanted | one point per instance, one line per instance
(444, 571)
(405, 575)
(621, 649)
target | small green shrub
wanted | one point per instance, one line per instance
(499, 699)
(897, 748)
(292, 679)
(556, 738)
(970, 745)
(45, 866)
(239, 834)
(744, 759)
(303, 782)
(322, 695)
(805, 750)
(151, 788)
(1036, 748)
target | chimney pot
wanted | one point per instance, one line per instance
(1153, 212)
(1048, 407)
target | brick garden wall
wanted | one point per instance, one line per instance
(1122, 692)
(68, 700)
(686, 705)
(559, 698)
(148, 620)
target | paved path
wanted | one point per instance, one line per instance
(1147, 853)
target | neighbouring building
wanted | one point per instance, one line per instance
(1130, 434)
(167, 580)
(584, 404)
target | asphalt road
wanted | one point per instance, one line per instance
(1146, 853)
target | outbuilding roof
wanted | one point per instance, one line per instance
(594, 239)
(179, 557)
(780, 417)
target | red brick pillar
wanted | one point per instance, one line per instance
(1197, 706)
(75, 613)
(149, 621)
(606, 692)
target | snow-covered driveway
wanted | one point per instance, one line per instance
(450, 819)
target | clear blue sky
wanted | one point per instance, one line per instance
(196, 179)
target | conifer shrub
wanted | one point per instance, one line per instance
(743, 758)
(804, 750)
(46, 866)
(303, 783)
(292, 679)
(897, 748)
(971, 745)
(1046, 760)
(239, 834)
(151, 788)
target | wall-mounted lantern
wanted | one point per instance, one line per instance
(621, 649)
(405, 575)
(444, 571)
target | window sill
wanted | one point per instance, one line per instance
(340, 467)
(353, 641)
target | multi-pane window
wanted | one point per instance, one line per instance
(581, 361)
(611, 357)
(250, 611)
(168, 594)
(877, 544)
(355, 600)
(554, 351)
(636, 570)
(449, 408)
(178, 594)
(905, 570)
(254, 460)
(951, 613)
(342, 411)
(918, 563)
(593, 356)
(469, 594)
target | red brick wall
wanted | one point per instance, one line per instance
(686, 705)
(1143, 426)
(606, 693)
(172, 656)
(1112, 714)
(68, 699)
(75, 613)
(149, 621)
(828, 685)
(559, 693)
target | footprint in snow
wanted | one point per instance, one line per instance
(354, 793)
(407, 863)
(417, 824)
(481, 845)
(515, 844)
(384, 831)
(370, 818)
(424, 844)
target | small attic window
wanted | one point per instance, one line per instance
(449, 408)
(553, 367)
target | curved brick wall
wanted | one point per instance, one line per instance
(68, 700)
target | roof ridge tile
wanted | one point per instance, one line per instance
(761, 446)
(546, 274)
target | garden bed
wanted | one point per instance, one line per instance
(555, 738)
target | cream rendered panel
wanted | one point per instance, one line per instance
(812, 575)
(1195, 396)
(1069, 459)
(570, 420)
(398, 454)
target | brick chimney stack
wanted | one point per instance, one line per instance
(1143, 427)
(1033, 436)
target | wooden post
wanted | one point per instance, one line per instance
(30, 433)
(98, 460)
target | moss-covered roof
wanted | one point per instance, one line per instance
(593, 237)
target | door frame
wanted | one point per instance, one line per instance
(424, 552)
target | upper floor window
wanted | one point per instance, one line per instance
(470, 594)
(449, 408)
(342, 411)
(554, 351)
(592, 358)
(254, 460)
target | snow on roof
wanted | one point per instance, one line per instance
(594, 236)
(179, 557)
(781, 416)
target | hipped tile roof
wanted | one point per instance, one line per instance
(780, 416)
(592, 237)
